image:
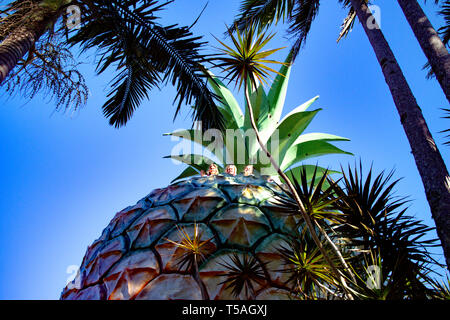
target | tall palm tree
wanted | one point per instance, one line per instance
(127, 37)
(432, 169)
(430, 42)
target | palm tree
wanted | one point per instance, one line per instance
(300, 14)
(127, 37)
(430, 42)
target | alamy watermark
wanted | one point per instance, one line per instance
(374, 21)
(373, 277)
(73, 281)
(73, 17)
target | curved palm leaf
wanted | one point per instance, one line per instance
(146, 54)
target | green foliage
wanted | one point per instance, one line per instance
(308, 272)
(447, 112)
(299, 15)
(146, 55)
(372, 231)
(283, 136)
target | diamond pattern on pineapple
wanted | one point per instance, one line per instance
(247, 193)
(198, 204)
(104, 259)
(151, 225)
(240, 224)
(267, 252)
(126, 279)
(163, 196)
(284, 221)
(142, 254)
(171, 287)
(215, 273)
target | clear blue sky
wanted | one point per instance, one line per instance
(63, 176)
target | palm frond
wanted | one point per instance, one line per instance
(300, 22)
(147, 55)
(347, 24)
(441, 289)
(316, 194)
(194, 250)
(261, 13)
(445, 30)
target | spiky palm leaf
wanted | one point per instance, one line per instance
(441, 289)
(445, 30)
(194, 250)
(373, 219)
(316, 194)
(299, 14)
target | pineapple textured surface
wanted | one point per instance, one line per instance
(212, 237)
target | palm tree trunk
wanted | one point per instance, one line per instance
(429, 162)
(431, 43)
(21, 41)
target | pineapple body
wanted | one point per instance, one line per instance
(234, 217)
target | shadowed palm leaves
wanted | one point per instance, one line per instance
(441, 289)
(445, 30)
(374, 220)
(128, 40)
(244, 272)
(147, 54)
(370, 227)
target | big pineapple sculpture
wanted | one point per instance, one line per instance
(216, 234)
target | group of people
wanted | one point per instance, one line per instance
(230, 169)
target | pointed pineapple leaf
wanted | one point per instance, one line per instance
(277, 92)
(309, 149)
(188, 172)
(228, 102)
